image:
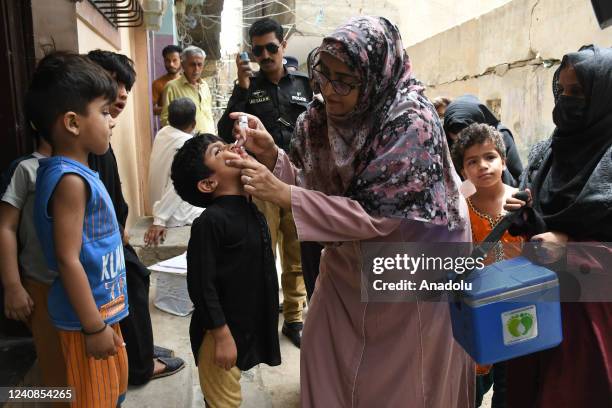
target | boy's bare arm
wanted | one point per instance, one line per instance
(17, 302)
(67, 206)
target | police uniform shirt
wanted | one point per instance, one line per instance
(277, 106)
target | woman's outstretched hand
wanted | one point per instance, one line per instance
(258, 141)
(259, 182)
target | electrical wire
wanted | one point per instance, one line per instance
(204, 22)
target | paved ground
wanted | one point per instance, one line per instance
(262, 387)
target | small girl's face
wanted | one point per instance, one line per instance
(483, 165)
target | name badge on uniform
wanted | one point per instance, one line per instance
(259, 97)
(298, 97)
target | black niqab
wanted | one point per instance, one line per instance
(573, 187)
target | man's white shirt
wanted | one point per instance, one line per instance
(169, 210)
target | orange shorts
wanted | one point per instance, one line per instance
(96, 383)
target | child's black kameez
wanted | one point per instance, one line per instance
(231, 278)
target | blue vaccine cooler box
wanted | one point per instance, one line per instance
(511, 310)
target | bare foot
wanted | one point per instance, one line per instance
(158, 366)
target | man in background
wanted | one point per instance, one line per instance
(172, 63)
(191, 85)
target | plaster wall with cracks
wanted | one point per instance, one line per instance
(501, 69)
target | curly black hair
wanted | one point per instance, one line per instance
(188, 169)
(118, 64)
(476, 133)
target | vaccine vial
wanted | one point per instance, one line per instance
(243, 123)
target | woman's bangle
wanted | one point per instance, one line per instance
(94, 332)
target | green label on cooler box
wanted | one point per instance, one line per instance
(520, 325)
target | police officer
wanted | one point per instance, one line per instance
(277, 97)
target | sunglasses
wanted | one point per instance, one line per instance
(271, 47)
(340, 87)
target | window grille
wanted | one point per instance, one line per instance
(120, 13)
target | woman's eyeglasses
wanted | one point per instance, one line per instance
(271, 47)
(340, 87)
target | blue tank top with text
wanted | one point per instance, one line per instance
(101, 251)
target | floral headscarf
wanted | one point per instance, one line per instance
(389, 153)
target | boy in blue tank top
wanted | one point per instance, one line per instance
(68, 103)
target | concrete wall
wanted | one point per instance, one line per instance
(53, 26)
(508, 56)
(320, 17)
(316, 18)
(131, 138)
(417, 20)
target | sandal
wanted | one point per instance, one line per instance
(173, 365)
(159, 351)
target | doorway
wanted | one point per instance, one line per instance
(17, 62)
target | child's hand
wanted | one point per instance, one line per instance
(18, 304)
(104, 344)
(226, 352)
(514, 204)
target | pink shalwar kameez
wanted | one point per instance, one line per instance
(358, 354)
